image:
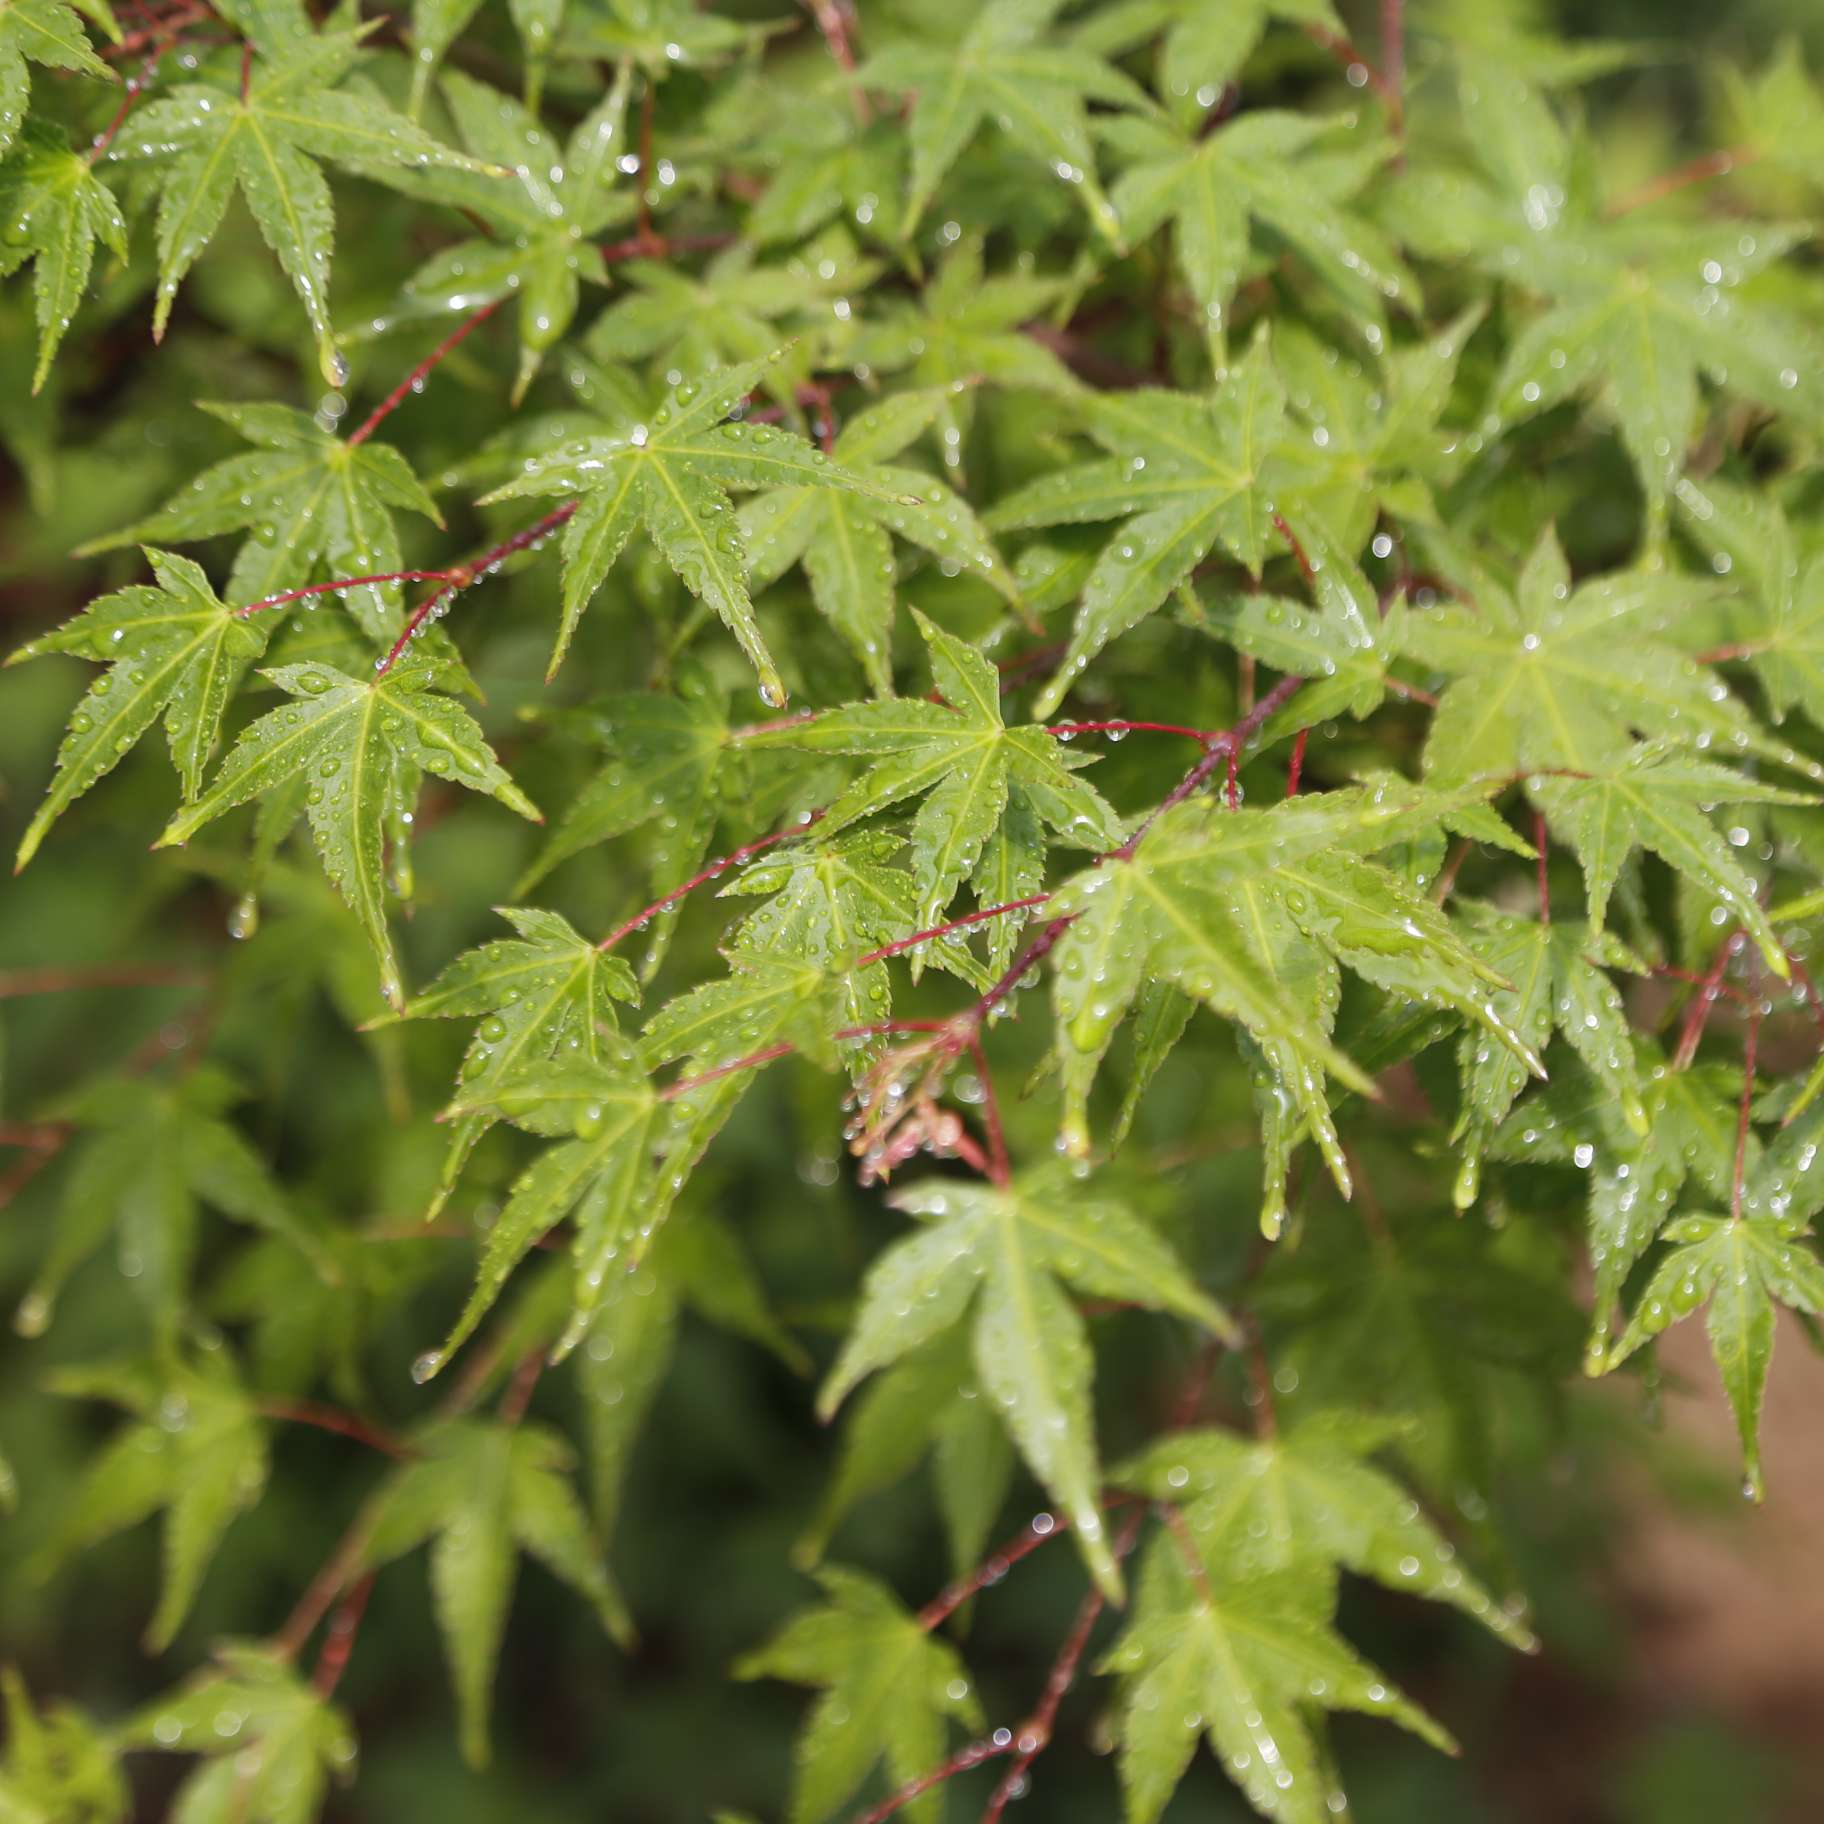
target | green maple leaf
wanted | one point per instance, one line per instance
(1740, 1269)
(1252, 1664)
(1260, 1506)
(888, 1688)
(276, 1765)
(1554, 981)
(547, 992)
(197, 1451)
(53, 209)
(1417, 1318)
(1552, 677)
(1213, 189)
(845, 541)
(963, 330)
(1637, 309)
(926, 1404)
(1015, 1247)
(317, 507)
(1201, 47)
(48, 33)
(172, 649)
(963, 758)
(659, 35)
(364, 745)
(158, 1154)
(734, 311)
(1184, 474)
(1779, 114)
(1248, 912)
(1000, 70)
(1684, 1132)
(58, 1765)
(1657, 798)
(610, 1123)
(481, 1493)
(1779, 627)
(820, 163)
(437, 24)
(670, 474)
(266, 144)
(541, 248)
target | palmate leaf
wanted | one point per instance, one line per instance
(1201, 47)
(157, 1155)
(845, 541)
(821, 162)
(276, 1764)
(1657, 798)
(1251, 1663)
(670, 476)
(1016, 1247)
(965, 761)
(1685, 1133)
(1185, 474)
(197, 1450)
(315, 506)
(1741, 1270)
(173, 649)
(889, 1687)
(1244, 911)
(1213, 188)
(57, 1765)
(1555, 981)
(540, 247)
(1779, 114)
(267, 145)
(1637, 308)
(50, 34)
(365, 745)
(1555, 678)
(1256, 1507)
(481, 1493)
(550, 992)
(1001, 70)
(1779, 627)
(660, 35)
(53, 209)
(962, 331)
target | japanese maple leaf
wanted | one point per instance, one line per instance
(961, 756)
(172, 648)
(1635, 309)
(888, 1688)
(364, 744)
(48, 33)
(317, 505)
(669, 474)
(1278, 170)
(480, 1493)
(845, 541)
(1184, 473)
(1000, 70)
(546, 217)
(266, 142)
(53, 209)
(1007, 1253)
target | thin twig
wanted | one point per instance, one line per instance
(1750, 1045)
(333, 1418)
(1001, 1742)
(414, 381)
(1697, 171)
(17, 982)
(340, 583)
(339, 1638)
(944, 930)
(1707, 997)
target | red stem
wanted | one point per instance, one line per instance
(1349, 57)
(1000, 1168)
(416, 378)
(1065, 729)
(1706, 999)
(17, 982)
(649, 246)
(1296, 766)
(1393, 57)
(518, 1396)
(246, 68)
(333, 1418)
(1741, 1114)
(1697, 171)
(463, 575)
(955, 924)
(704, 876)
(1034, 1735)
(136, 87)
(990, 1571)
(341, 582)
(339, 1638)
(685, 1084)
(973, 1756)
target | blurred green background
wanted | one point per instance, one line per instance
(1683, 1682)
